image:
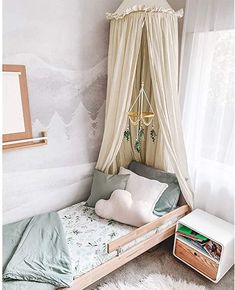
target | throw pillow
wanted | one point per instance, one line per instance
(169, 199)
(104, 184)
(144, 189)
(122, 208)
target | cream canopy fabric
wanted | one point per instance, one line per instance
(144, 47)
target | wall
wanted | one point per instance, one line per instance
(64, 47)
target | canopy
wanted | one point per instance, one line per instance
(144, 48)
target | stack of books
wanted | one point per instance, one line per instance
(201, 242)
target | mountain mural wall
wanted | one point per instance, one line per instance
(63, 45)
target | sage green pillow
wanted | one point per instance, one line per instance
(104, 184)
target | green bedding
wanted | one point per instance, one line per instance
(35, 250)
(26, 285)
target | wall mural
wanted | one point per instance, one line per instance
(64, 47)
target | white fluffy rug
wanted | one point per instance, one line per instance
(152, 282)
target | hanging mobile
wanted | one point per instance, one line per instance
(140, 118)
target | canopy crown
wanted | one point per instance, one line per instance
(127, 4)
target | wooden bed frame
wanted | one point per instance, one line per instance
(122, 258)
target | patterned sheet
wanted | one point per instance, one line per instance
(87, 236)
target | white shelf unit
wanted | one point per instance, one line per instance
(214, 229)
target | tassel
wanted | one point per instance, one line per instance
(127, 134)
(139, 139)
(140, 136)
(138, 145)
(153, 134)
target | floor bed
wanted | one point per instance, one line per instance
(98, 246)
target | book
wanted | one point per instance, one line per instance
(187, 232)
(213, 249)
(192, 237)
(199, 236)
(184, 230)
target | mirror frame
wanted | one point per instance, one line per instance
(27, 134)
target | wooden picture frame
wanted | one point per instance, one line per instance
(27, 133)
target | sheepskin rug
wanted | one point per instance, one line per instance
(152, 282)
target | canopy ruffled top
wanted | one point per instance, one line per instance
(143, 8)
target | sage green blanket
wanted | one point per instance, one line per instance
(35, 250)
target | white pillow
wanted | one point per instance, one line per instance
(122, 208)
(142, 188)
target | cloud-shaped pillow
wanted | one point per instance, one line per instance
(122, 208)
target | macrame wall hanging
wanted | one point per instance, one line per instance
(140, 119)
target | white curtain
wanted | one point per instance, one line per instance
(207, 94)
(163, 58)
(161, 31)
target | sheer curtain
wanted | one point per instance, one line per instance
(207, 95)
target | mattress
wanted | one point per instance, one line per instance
(88, 235)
